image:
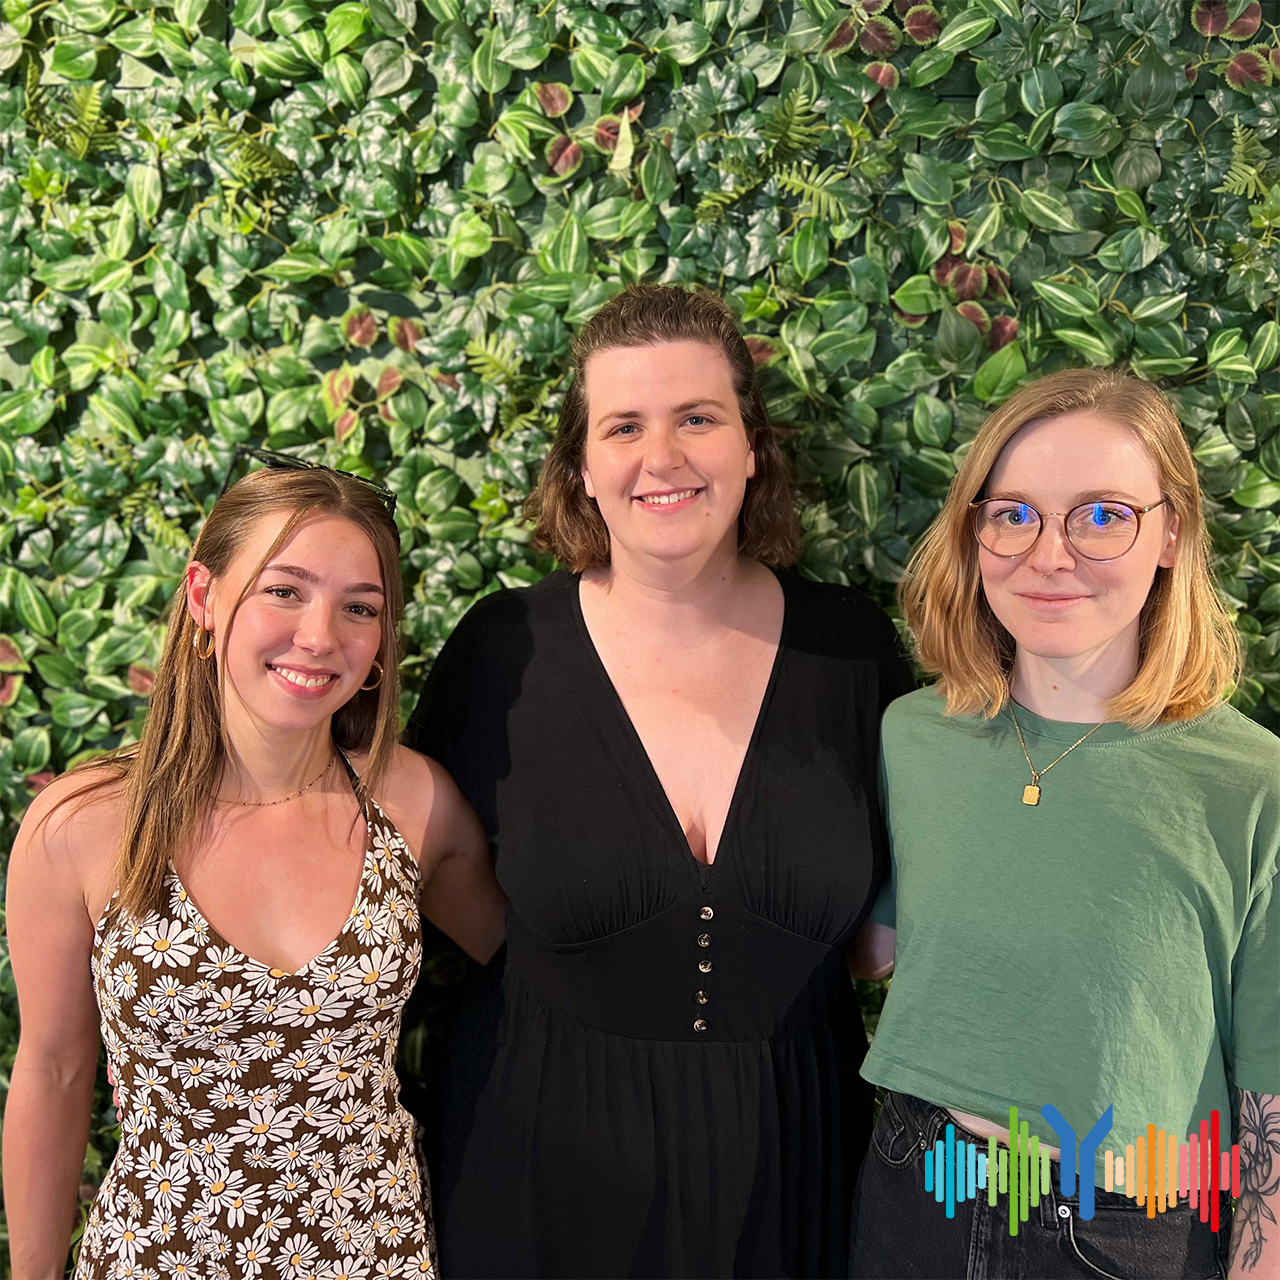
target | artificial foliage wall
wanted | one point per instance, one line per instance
(365, 231)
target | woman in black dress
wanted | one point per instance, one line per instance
(673, 746)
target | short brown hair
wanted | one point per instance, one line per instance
(568, 523)
(1189, 653)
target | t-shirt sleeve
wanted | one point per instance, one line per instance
(1255, 995)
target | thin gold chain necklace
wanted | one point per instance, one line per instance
(1031, 793)
(265, 804)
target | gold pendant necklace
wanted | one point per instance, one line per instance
(1031, 792)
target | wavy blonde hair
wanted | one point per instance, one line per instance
(169, 778)
(1189, 653)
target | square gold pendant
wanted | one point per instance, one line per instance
(1031, 794)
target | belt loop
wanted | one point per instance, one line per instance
(1049, 1208)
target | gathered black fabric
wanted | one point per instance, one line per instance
(674, 1086)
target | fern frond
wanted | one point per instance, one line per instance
(494, 359)
(713, 204)
(792, 129)
(813, 186)
(1249, 157)
(254, 161)
(73, 119)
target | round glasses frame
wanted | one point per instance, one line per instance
(1139, 512)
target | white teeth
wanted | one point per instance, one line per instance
(294, 678)
(666, 499)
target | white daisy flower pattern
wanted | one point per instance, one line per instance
(261, 1130)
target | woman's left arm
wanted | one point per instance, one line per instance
(460, 893)
(1255, 1231)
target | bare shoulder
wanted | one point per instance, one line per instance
(70, 832)
(417, 794)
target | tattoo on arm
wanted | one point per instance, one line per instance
(1259, 1138)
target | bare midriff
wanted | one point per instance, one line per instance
(988, 1129)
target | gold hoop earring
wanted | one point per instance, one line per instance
(367, 688)
(202, 654)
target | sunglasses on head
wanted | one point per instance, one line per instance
(287, 462)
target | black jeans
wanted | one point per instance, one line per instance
(899, 1230)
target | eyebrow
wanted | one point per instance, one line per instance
(297, 571)
(1093, 495)
(679, 408)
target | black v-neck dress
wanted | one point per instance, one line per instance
(674, 1090)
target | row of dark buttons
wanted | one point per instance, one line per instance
(704, 966)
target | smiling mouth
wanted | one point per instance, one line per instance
(303, 682)
(668, 499)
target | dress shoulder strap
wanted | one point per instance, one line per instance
(354, 778)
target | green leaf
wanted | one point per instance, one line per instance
(33, 607)
(968, 29)
(1069, 299)
(74, 710)
(143, 186)
(1257, 490)
(389, 68)
(926, 179)
(1133, 250)
(658, 178)
(1158, 308)
(1041, 89)
(491, 72)
(1265, 346)
(683, 42)
(1048, 210)
(453, 526)
(469, 235)
(810, 249)
(929, 65)
(624, 82)
(1089, 344)
(919, 296)
(344, 25)
(931, 420)
(1000, 373)
(867, 490)
(568, 249)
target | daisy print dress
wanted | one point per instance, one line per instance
(261, 1129)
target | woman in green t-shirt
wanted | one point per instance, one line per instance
(1085, 844)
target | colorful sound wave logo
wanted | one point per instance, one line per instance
(1155, 1171)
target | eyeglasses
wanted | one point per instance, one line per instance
(288, 462)
(1097, 530)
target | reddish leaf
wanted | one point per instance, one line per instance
(761, 349)
(905, 317)
(554, 99)
(842, 37)
(999, 282)
(404, 333)
(884, 74)
(900, 7)
(635, 108)
(37, 782)
(977, 313)
(923, 24)
(563, 156)
(959, 234)
(141, 680)
(1193, 73)
(10, 686)
(606, 132)
(1003, 331)
(9, 655)
(449, 380)
(872, 7)
(389, 381)
(944, 268)
(1209, 17)
(1248, 69)
(336, 386)
(359, 327)
(1245, 27)
(344, 425)
(880, 36)
(968, 281)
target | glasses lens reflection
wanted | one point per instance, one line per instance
(1098, 530)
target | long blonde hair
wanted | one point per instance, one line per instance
(171, 775)
(1189, 653)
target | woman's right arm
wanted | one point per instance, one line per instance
(47, 1113)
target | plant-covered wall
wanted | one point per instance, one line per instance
(364, 231)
